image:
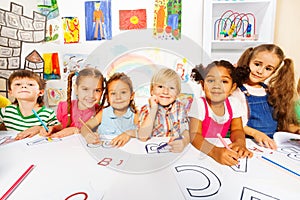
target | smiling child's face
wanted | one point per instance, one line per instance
(218, 84)
(166, 93)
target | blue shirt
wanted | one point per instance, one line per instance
(114, 125)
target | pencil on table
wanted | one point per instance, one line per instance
(17, 183)
(86, 126)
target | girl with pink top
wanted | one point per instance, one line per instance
(216, 113)
(88, 89)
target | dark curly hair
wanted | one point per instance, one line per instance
(199, 72)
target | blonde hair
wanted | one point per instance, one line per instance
(165, 75)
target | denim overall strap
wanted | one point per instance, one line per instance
(210, 128)
(260, 113)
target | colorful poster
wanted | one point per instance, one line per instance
(167, 19)
(132, 19)
(71, 29)
(49, 8)
(54, 96)
(72, 62)
(51, 69)
(98, 20)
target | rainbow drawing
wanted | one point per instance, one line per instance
(132, 62)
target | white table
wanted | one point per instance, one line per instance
(69, 166)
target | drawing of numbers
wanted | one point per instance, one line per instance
(197, 182)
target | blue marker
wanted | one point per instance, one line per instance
(37, 116)
(166, 144)
(283, 167)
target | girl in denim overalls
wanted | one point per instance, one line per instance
(267, 109)
(217, 112)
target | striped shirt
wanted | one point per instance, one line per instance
(169, 121)
(14, 120)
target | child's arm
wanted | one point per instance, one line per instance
(51, 130)
(123, 138)
(92, 138)
(261, 138)
(65, 132)
(293, 128)
(178, 146)
(146, 126)
(179, 143)
(30, 132)
(237, 136)
(219, 154)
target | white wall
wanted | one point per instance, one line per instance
(191, 22)
(287, 30)
(286, 24)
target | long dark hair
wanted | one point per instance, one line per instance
(86, 72)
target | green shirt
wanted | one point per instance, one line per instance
(297, 109)
(14, 120)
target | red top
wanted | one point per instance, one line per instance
(85, 115)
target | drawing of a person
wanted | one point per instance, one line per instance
(98, 18)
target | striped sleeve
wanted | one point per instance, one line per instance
(14, 120)
(48, 116)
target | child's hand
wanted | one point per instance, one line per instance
(264, 140)
(44, 133)
(224, 156)
(65, 132)
(91, 138)
(30, 132)
(120, 140)
(153, 102)
(241, 150)
(177, 145)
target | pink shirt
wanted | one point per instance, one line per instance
(210, 128)
(85, 115)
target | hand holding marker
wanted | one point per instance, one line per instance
(88, 128)
(43, 123)
(166, 144)
(223, 141)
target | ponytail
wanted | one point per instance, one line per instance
(282, 95)
(103, 99)
(197, 73)
(69, 97)
(245, 58)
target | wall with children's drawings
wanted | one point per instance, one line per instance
(190, 29)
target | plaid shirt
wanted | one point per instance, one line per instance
(169, 121)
